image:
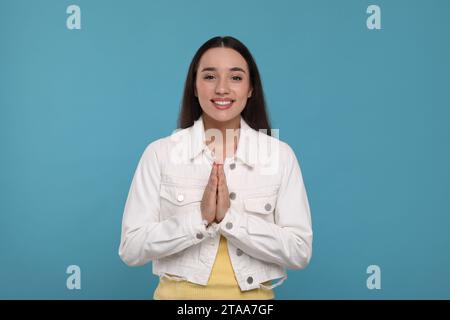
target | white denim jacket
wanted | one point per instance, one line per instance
(268, 226)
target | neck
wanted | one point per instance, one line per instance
(210, 123)
(227, 146)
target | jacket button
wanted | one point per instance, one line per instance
(229, 225)
(250, 280)
(199, 236)
(239, 252)
(180, 198)
(232, 166)
(232, 195)
(268, 206)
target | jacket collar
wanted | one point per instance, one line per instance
(247, 135)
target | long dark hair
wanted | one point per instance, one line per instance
(254, 113)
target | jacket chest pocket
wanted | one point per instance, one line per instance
(262, 206)
(178, 199)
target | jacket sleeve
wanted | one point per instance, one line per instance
(288, 241)
(144, 237)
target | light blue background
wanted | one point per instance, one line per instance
(367, 113)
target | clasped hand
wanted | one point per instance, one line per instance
(216, 200)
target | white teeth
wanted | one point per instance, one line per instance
(222, 103)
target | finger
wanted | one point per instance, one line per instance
(213, 174)
(222, 186)
(213, 186)
(220, 175)
(222, 192)
(213, 170)
(222, 178)
(223, 195)
(213, 180)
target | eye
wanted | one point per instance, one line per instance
(236, 78)
(208, 77)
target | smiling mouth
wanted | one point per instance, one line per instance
(222, 104)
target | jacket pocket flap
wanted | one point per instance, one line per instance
(262, 205)
(180, 196)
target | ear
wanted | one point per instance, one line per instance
(250, 93)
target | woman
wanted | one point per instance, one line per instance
(219, 207)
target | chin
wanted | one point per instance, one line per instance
(222, 116)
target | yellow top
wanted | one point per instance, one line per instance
(222, 284)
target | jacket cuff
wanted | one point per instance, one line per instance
(197, 226)
(231, 223)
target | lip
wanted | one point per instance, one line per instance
(221, 107)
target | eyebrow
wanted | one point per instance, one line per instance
(215, 69)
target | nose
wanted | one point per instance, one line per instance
(222, 86)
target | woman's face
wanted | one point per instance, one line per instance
(223, 83)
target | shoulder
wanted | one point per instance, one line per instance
(285, 151)
(161, 148)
